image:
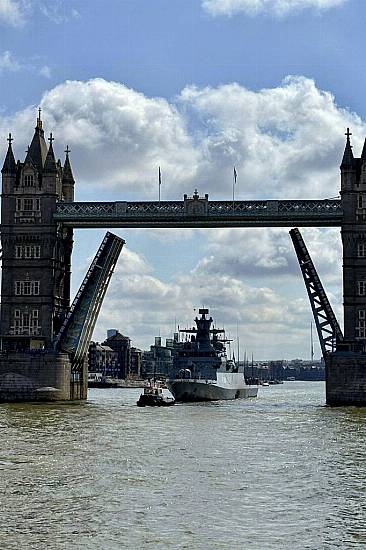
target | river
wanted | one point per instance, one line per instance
(279, 472)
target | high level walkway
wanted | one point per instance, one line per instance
(198, 211)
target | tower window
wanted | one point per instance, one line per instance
(28, 204)
(361, 329)
(25, 322)
(361, 288)
(28, 180)
(361, 250)
(26, 288)
(28, 251)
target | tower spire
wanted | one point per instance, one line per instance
(9, 162)
(348, 159)
(39, 124)
(50, 163)
(67, 175)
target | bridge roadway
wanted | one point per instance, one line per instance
(200, 212)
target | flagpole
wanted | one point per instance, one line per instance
(234, 182)
(159, 181)
(233, 190)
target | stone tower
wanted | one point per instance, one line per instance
(346, 368)
(36, 252)
(353, 196)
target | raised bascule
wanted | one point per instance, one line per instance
(44, 339)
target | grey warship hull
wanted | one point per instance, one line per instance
(207, 390)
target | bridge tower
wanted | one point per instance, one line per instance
(35, 286)
(353, 197)
(346, 368)
(36, 252)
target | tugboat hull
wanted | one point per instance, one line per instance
(202, 390)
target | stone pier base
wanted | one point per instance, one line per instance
(40, 376)
(345, 379)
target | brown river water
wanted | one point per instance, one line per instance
(279, 472)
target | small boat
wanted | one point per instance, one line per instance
(155, 396)
(265, 384)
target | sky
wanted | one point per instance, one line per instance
(196, 87)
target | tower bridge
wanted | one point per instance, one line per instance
(44, 338)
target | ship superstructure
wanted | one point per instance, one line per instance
(202, 371)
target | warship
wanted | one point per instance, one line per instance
(202, 371)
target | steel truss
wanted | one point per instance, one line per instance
(200, 212)
(329, 331)
(77, 329)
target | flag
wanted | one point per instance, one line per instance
(159, 176)
(235, 175)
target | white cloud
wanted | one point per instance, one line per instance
(8, 62)
(12, 12)
(269, 253)
(276, 7)
(45, 71)
(285, 141)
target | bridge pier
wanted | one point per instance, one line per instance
(345, 379)
(42, 376)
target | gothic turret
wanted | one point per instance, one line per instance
(38, 150)
(9, 166)
(50, 166)
(348, 167)
(348, 160)
(68, 181)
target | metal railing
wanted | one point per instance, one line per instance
(205, 212)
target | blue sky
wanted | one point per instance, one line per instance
(195, 86)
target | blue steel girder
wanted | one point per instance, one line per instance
(328, 329)
(77, 329)
(200, 212)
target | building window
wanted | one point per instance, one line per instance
(359, 201)
(28, 204)
(361, 288)
(26, 323)
(361, 329)
(28, 180)
(26, 288)
(362, 314)
(28, 251)
(19, 204)
(38, 204)
(361, 250)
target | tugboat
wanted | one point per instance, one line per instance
(202, 370)
(155, 396)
